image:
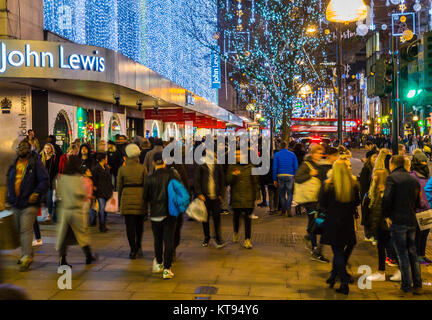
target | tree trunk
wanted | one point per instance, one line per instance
(286, 129)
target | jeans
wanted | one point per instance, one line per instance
(213, 209)
(163, 233)
(286, 186)
(102, 215)
(134, 230)
(340, 260)
(421, 241)
(36, 230)
(25, 219)
(311, 210)
(247, 220)
(404, 242)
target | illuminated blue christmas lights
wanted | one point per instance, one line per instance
(147, 31)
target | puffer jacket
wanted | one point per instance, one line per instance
(178, 197)
(130, 187)
(244, 187)
(422, 180)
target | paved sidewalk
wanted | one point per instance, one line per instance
(278, 267)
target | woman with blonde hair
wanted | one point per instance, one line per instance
(48, 158)
(340, 197)
(379, 226)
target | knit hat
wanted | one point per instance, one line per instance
(132, 150)
(420, 157)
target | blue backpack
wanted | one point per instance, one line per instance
(178, 197)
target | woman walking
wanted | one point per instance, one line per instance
(130, 184)
(244, 192)
(340, 197)
(48, 158)
(74, 192)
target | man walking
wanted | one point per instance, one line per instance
(401, 198)
(27, 183)
(209, 185)
(285, 166)
(148, 160)
(163, 224)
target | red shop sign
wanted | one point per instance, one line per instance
(166, 115)
(188, 116)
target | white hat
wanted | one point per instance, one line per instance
(132, 150)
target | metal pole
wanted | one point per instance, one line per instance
(394, 99)
(339, 84)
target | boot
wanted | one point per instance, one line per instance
(89, 257)
(63, 261)
(344, 289)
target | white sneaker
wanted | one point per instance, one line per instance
(254, 216)
(396, 277)
(374, 242)
(369, 239)
(167, 274)
(157, 268)
(37, 243)
(378, 276)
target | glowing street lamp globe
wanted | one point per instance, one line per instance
(345, 11)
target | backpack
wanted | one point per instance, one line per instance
(178, 196)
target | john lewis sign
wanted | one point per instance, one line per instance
(11, 57)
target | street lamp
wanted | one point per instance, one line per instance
(343, 11)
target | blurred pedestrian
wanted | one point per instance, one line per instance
(340, 197)
(49, 160)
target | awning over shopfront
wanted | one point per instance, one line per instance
(99, 74)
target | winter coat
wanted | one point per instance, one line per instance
(365, 180)
(148, 160)
(401, 198)
(156, 191)
(115, 161)
(35, 180)
(201, 179)
(74, 193)
(244, 187)
(284, 162)
(130, 187)
(422, 180)
(103, 187)
(338, 227)
(50, 166)
(376, 218)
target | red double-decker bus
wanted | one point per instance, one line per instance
(323, 127)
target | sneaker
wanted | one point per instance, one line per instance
(319, 258)
(221, 244)
(253, 216)
(369, 239)
(378, 276)
(37, 243)
(262, 204)
(26, 263)
(374, 242)
(247, 244)
(391, 263)
(272, 212)
(167, 274)
(235, 237)
(205, 243)
(157, 268)
(396, 277)
(225, 212)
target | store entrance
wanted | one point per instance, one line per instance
(62, 131)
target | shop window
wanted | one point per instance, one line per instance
(114, 128)
(90, 126)
(62, 130)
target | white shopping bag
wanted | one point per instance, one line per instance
(112, 203)
(424, 219)
(197, 210)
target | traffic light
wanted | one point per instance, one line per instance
(409, 77)
(382, 75)
(425, 60)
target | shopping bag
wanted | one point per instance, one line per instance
(112, 203)
(307, 191)
(424, 219)
(9, 236)
(197, 210)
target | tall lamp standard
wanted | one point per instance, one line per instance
(343, 11)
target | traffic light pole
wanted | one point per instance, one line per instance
(339, 84)
(395, 97)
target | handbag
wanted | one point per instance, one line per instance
(307, 191)
(424, 219)
(112, 203)
(197, 210)
(9, 236)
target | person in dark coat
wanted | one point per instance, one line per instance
(102, 186)
(87, 160)
(115, 161)
(209, 186)
(340, 197)
(365, 180)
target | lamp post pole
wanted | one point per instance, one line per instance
(395, 98)
(339, 83)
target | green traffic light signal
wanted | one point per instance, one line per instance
(421, 123)
(411, 94)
